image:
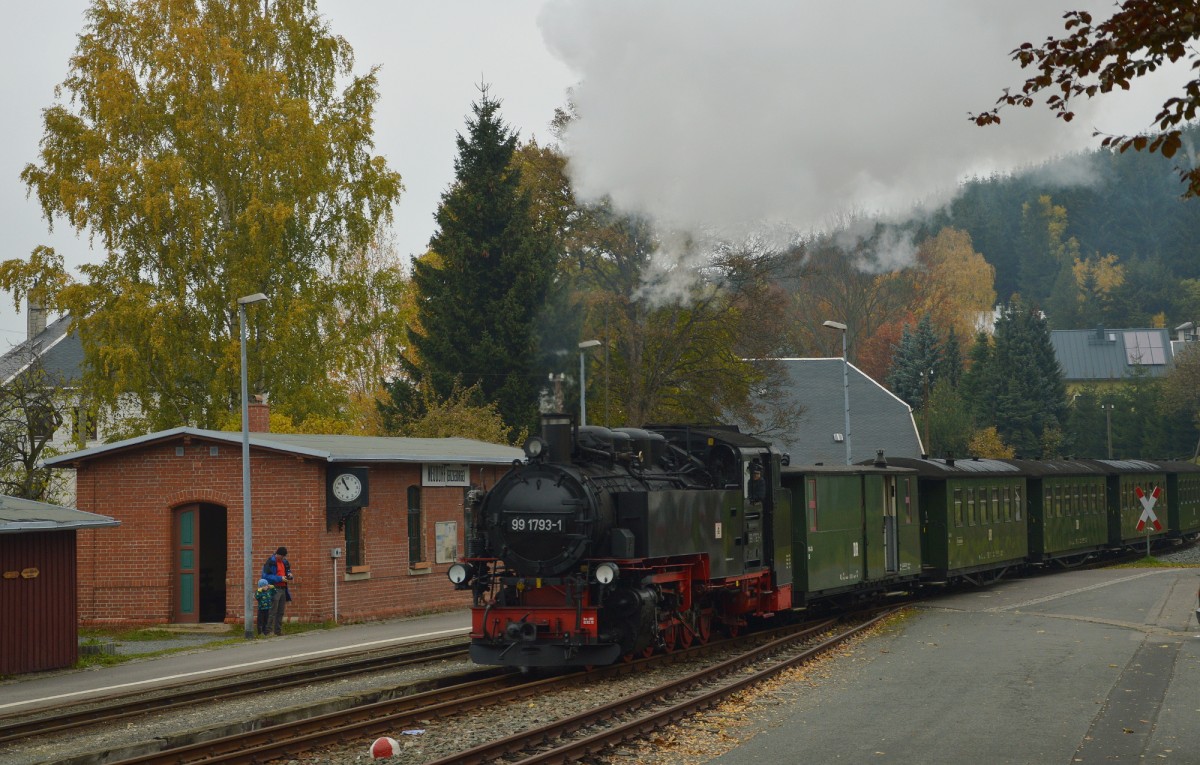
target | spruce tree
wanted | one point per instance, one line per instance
(918, 354)
(1030, 395)
(481, 294)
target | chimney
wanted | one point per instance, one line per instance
(35, 319)
(259, 420)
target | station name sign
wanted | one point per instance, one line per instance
(443, 474)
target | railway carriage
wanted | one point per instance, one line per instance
(1183, 500)
(855, 529)
(1067, 509)
(1124, 481)
(973, 524)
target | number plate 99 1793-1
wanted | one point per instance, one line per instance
(535, 524)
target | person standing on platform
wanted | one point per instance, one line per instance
(265, 597)
(278, 572)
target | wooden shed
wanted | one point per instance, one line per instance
(38, 579)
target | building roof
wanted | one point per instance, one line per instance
(356, 449)
(58, 349)
(1111, 354)
(25, 515)
(879, 421)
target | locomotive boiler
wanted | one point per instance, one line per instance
(604, 544)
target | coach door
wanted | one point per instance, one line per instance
(891, 536)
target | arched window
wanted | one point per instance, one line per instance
(416, 552)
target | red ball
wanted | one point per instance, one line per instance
(385, 747)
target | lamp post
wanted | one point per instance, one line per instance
(248, 570)
(845, 380)
(1108, 408)
(583, 379)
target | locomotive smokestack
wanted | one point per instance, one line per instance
(556, 430)
(880, 462)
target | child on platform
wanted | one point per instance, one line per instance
(264, 595)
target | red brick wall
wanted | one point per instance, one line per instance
(126, 576)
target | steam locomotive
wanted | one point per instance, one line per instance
(606, 544)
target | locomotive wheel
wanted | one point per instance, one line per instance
(704, 627)
(733, 630)
(648, 651)
(671, 636)
(686, 636)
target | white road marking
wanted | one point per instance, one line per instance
(273, 660)
(1056, 596)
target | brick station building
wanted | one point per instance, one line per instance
(378, 552)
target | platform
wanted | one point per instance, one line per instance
(23, 693)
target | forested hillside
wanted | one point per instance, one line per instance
(1101, 237)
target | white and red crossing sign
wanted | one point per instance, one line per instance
(1148, 515)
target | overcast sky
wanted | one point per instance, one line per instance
(710, 114)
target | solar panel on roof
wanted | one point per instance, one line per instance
(1144, 348)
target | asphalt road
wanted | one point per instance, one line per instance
(1079, 667)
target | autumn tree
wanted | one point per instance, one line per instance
(32, 403)
(211, 150)
(1095, 58)
(846, 284)
(953, 283)
(478, 300)
(671, 345)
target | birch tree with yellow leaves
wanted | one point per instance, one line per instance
(209, 149)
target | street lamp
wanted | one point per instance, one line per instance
(248, 571)
(583, 380)
(845, 380)
(1108, 408)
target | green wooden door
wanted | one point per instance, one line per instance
(187, 561)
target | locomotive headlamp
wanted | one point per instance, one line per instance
(606, 573)
(534, 447)
(460, 573)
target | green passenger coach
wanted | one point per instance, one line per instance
(1068, 520)
(854, 528)
(973, 524)
(1124, 480)
(1183, 499)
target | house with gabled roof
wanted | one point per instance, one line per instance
(879, 420)
(1098, 356)
(56, 348)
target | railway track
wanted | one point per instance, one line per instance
(119, 707)
(351, 727)
(591, 732)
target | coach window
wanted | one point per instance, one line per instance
(1017, 503)
(996, 504)
(812, 504)
(958, 507)
(908, 500)
(971, 506)
(1007, 499)
(416, 552)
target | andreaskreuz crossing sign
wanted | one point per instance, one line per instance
(1148, 501)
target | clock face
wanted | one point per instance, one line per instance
(347, 487)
